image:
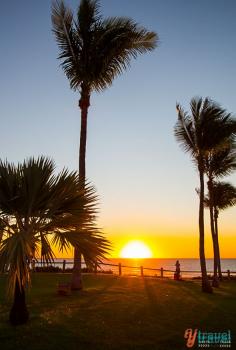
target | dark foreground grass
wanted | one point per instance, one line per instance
(117, 313)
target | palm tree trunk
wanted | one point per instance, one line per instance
(76, 280)
(215, 282)
(206, 287)
(217, 244)
(19, 313)
(84, 103)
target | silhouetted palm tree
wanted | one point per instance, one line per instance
(219, 163)
(223, 197)
(1, 230)
(93, 52)
(198, 134)
(39, 208)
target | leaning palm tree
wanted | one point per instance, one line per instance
(223, 197)
(198, 133)
(94, 51)
(39, 208)
(219, 163)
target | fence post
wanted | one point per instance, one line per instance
(162, 272)
(120, 271)
(228, 273)
(141, 270)
(33, 265)
(64, 266)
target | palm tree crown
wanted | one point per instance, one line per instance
(224, 196)
(221, 162)
(94, 51)
(208, 128)
(37, 208)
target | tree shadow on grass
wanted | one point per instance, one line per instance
(188, 307)
(49, 337)
(94, 295)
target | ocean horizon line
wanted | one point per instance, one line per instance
(177, 258)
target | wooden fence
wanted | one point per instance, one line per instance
(120, 269)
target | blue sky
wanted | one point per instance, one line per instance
(145, 182)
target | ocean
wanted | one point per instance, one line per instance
(189, 267)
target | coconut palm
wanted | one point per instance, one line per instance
(219, 163)
(198, 134)
(223, 197)
(39, 208)
(94, 51)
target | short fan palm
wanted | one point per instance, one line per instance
(94, 51)
(39, 208)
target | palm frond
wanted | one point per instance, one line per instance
(70, 48)
(47, 255)
(222, 162)
(118, 41)
(14, 252)
(88, 17)
(92, 245)
(224, 195)
(184, 132)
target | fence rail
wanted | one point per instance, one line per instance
(120, 269)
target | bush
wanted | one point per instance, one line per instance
(48, 268)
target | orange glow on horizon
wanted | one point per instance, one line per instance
(178, 244)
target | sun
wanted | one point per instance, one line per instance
(136, 249)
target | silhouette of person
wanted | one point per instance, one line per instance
(177, 270)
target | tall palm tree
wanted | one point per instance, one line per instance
(94, 51)
(219, 163)
(223, 197)
(39, 208)
(198, 134)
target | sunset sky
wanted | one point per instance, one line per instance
(145, 182)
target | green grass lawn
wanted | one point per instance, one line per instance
(116, 313)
